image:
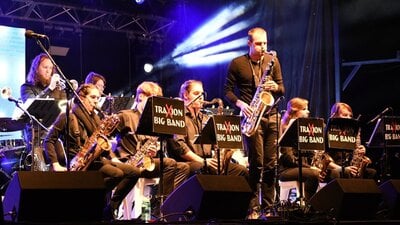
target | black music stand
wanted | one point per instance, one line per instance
(224, 131)
(162, 117)
(386, 135)
(114, 104)
(341, 135)
(42, 113)
(303, 134)
(45, 110)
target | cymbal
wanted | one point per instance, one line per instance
(8, 124)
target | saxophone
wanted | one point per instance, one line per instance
(141, 159)
(262, 100)
(360, 161)
(321, 160)
(95, 144)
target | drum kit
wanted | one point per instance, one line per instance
(11, 150)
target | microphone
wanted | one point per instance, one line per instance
(387, 109)
(32, 34)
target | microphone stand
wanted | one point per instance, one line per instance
(69, 89)
(276, 169)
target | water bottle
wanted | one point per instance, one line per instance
(146, 209)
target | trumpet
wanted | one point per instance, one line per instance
(6, 94)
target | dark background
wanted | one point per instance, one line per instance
(302, 32)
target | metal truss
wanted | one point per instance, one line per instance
(143, 27)
(357, 65)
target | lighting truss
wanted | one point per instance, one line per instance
(145, 27)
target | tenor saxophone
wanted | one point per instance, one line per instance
(95, 144)
(141, 159)
(360, 161)
(262, 100)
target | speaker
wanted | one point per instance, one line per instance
(348, 199)
(208, 197)
(55, 196)
(391, 198)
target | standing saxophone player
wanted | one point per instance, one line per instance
(356, 162)
(244, 73)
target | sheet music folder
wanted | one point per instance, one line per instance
(341, 133)
(222, 130)
(45, 110)
(304, 134)
(162, 116)
(386, 133)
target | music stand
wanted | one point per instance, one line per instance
(224, 131)
(45, 110)
(114, 104)
(162, 117)
(303, 134)
(42, 112)
(386, 135)
(341, 135)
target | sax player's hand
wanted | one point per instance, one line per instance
(244, 108)
(212, 162)
(270, 86)
(353, 170)
(57, 167)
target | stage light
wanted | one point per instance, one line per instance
(148, 67)
(212, 43)
(139, 2)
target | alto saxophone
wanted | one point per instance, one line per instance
(141, 159)
(321, 160)
(262, 100)
(95, 144)
(360, 161)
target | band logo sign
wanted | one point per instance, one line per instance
(162, 116)
(310, 134)
(342, 133)
(392, 130)
(227, 131)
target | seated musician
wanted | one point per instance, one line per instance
(137, 150)
(82, 124)
(355, 163)
(288, 160)
(184, 149)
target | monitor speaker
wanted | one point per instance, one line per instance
(391, 198)
(208, 197)
(35, 196)
(348, 199)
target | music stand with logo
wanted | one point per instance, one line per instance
(303, 134)
(341, 135)
(162, 117)
(386, 135)
(224, 131)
